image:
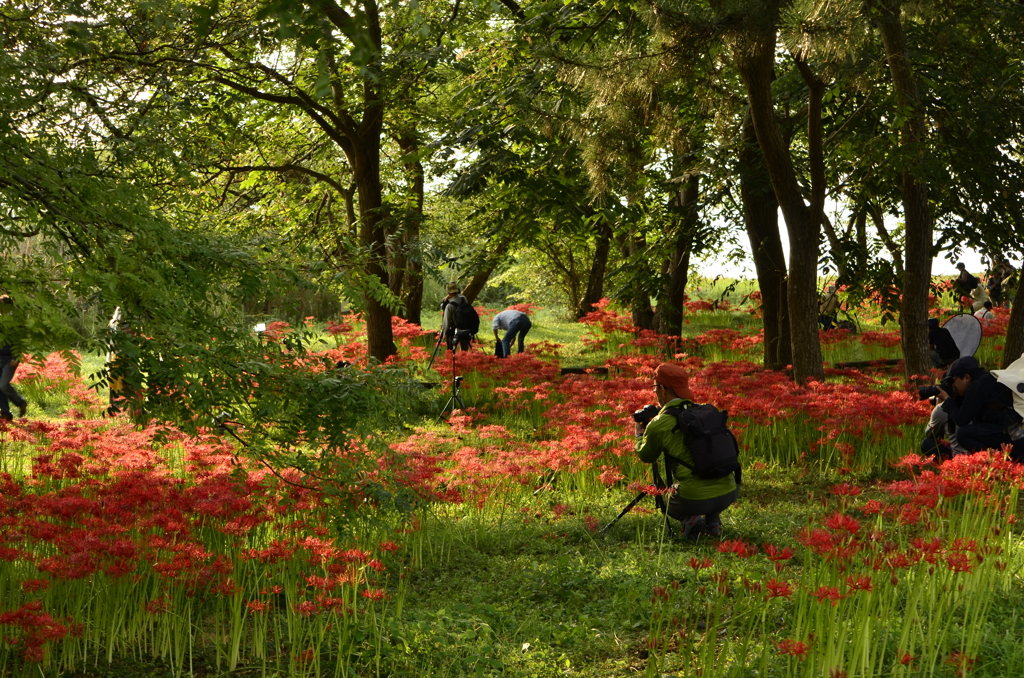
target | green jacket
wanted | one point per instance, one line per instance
(659, 438)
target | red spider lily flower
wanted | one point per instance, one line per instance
(778, 589)
(775, 554)
(592, 523)
(959, 562)
(928, 550)
(859, 583)
(962, 662)
(721, 578)
(840, 522)
(906, 659)
(307, 608)
(795, 648)
(751, 586)
(963, 544)
(701, 564)
(872, 507)
(817, 540)
(845, 490)
(374, 594)
(389, 546)
(739, 547)
(836, 672)
(32, 585)
(828, 593)
(256, 606)
(610, 475)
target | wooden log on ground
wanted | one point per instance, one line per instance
(868, 364)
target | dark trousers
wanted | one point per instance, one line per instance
(459, 338)
(978, 437)
(517, 328)
(932, 446)
(682, 509)
(8, 394)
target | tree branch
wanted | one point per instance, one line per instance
(333, 183)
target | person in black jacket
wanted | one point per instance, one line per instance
(981, 407)
(8, 366)
(943, 349)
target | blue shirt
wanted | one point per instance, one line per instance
(505, 318)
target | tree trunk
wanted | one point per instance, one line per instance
(595, 282)
(379, 338)
(755, 61)
(641, 312)
(670, 308)
(1014, 345)
(761, 218)
(917, 261)
(479, 279)
(411, 292)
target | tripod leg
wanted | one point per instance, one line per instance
(451, 404)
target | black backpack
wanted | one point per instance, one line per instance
(711, 444)
(466, 319)
(971, 283)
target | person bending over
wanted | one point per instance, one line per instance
(516, 324)
(980, 406)
(694, 497)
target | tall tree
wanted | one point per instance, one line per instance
(761, 218)
(754, 52)
(913, 142)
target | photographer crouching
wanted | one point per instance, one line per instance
(979, 406)
(694, 496)
(940, 427)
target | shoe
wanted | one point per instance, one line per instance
(6, 416)
(22, 409)
(693, 527)
(713, 529)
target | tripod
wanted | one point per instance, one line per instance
(440, 339)
(456, 398)
(659, 500)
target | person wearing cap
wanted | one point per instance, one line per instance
(980, 406)
(516, 324)
(449, 331)
(964, 283)
(943, 347)
(694, 497)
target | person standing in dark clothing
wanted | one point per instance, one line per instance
(981, 407)
(943, 348)
(8, 366)
(454, 335)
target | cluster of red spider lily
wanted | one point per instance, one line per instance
(91, 504)
(182, 518)
(882, 582)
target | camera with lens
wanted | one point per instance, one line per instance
(646, 413)
(930, 392)
(458, 380)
